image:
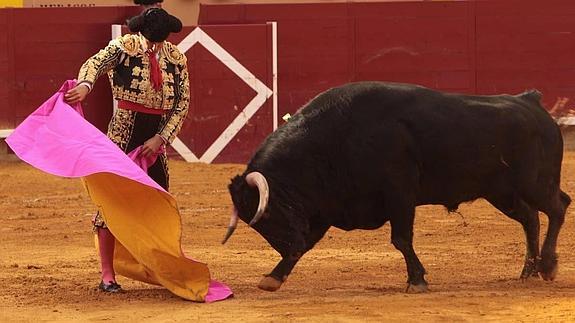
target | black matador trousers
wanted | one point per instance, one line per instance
(130, 129)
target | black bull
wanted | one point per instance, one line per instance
(362, 154)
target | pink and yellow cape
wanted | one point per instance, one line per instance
(143, 217)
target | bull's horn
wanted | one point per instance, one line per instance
(258, 180)
(232, 226)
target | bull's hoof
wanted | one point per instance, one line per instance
(529, 269)
(416, 289)
(548, 268)
(549, 276)
(270, 284)
(525, 276)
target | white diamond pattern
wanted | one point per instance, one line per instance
(262, 94)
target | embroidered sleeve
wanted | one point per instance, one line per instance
(107, 58)
(179, 111)
(99, 64)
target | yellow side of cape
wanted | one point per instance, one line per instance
(147, 227)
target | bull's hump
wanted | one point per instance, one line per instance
(357, 88)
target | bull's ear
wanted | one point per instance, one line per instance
(532, 95)
(239, 179)
(236, 183)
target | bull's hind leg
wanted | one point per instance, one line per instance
(520, 211)
(279, 274)
(556, 214)
(402, 216)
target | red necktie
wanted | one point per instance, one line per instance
(155, 73)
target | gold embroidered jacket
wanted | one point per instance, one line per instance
(127, 64)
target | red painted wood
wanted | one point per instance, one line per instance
(482, 47)
(522, 45)
(46, 47)
(426, 43)
(6, 70)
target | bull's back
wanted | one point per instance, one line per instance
(462, 145)
(351, 140)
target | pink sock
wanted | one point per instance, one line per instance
(106, 243)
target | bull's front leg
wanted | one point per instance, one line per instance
(273, 281)
(278, 276)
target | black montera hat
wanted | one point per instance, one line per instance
(155, 24)
(147, 2)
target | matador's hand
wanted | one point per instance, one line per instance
(152, 146)
(77, 94)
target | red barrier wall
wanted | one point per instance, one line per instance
(483, 47)
(41, 48)
(526, 44)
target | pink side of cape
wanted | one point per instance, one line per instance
(58, 140)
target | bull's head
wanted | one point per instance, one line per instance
(250, 194)
(244, 191)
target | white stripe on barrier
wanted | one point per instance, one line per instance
(275, 72)
(263, 92)
(5, 132)
(566, 121)
(184, 151)
(116, 32)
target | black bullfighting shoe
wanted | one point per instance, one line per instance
(112, 287)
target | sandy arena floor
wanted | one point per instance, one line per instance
(49, 269)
